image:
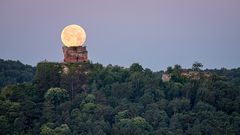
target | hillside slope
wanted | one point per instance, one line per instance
(12, 72)
(86, 98)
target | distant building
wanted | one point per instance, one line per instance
(75, 54)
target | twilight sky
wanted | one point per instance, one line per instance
(154, 33)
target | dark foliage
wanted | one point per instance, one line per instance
(89, 99)
(13, 72)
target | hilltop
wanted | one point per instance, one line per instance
(13, 72)
(87, 98)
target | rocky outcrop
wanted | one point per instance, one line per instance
(75, 54)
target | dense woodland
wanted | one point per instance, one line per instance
(90, 99)
(13, 72)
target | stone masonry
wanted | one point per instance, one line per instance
(75, 54)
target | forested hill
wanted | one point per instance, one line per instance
(90, 99)
(12, 72)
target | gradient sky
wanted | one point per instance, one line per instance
(154, 33)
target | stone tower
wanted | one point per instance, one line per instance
(75, 54)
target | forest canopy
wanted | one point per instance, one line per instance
(88, 99)
(13, 72)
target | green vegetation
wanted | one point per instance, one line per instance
(13, 72)
(90, 99)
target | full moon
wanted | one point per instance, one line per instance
(73, 36)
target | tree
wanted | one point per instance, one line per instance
(141, 123)
(90, 98)
(56, 96)
(177, 67)
(74, 79)
(134, 126)
(197, 66)
(201, 106)
(157, 118)
(179, 105)
(48, 129)
(47, 76)
(4, 125)
(169, 69)
(135, 67)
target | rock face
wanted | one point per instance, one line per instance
(75, 54)
(166, 77)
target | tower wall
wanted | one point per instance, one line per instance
(75, 54)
